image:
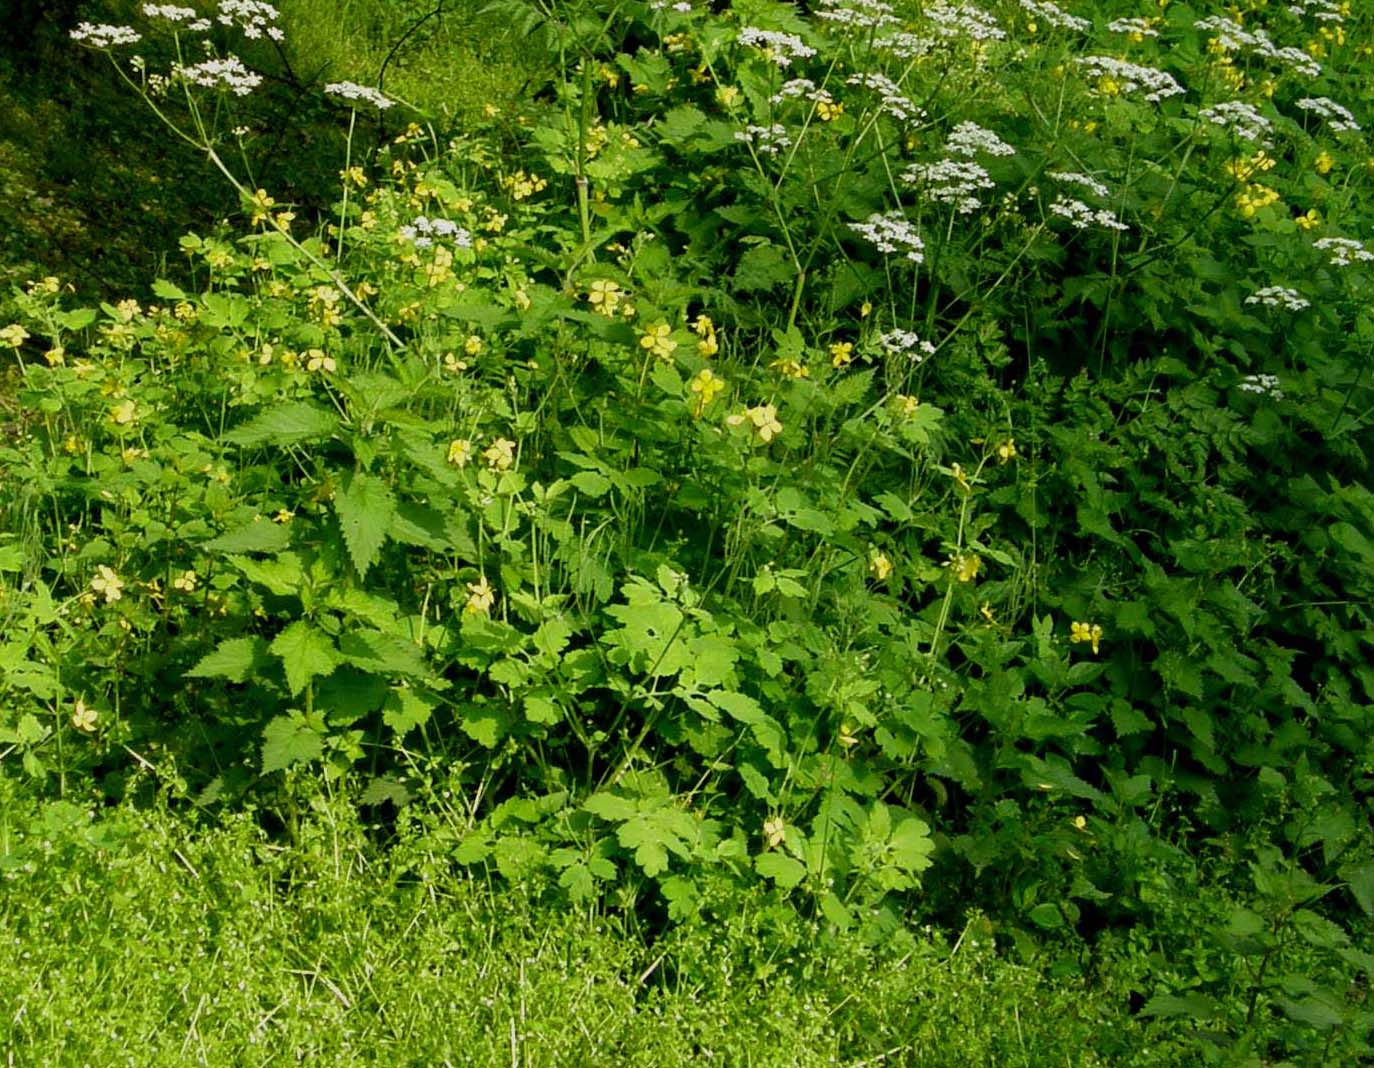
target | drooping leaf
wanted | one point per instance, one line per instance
(257, 537)
(366, 507)
(285, 424)
(405, 709)
(235, 659)
(786, 871)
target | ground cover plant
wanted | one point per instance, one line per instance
(876, 460)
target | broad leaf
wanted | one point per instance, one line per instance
(235, 659)
(366, 507)
(287, 741)
(305, 653)
(286, 424)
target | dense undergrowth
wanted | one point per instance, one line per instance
(873, 464)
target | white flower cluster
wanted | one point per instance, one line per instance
(951, 181)
(856, 14)
(1157, 84)
(253, 17)
(768, 140)
(905, 45)
(1230, 36)
(172, 13)
(1344, 251)
(682, 7)
(1055, 15)
(1087, 181)
(104, 35)
(781, 48)
(1337, 117)
(959, 19)
(424, 230)
(968, 139)
(794, 89)
(1265, 385)
(227, 73)
(1081, 217)
(354, 92)
(905, 343)
(1239, 118)
(892, 232)
(1278, 297)
(894, 101)
(1321, 10)
(1139, 27)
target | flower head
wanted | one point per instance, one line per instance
(107, 584)
(706, 386)
(500, 454)
(480, 597)
(84, 717)
(658, 340)
(1086, 632)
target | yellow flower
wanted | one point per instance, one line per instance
(604, 295)
(521, 299)
(829, 110)
(84, 716)
(480, 597)
(790, 368)
(986, 612)
(453, 364)
(865, 309)
(774, 831)
(460, 452)
(1324, 163)
(879, 566)
(1086, 632)
(13, 335)
(185, 582)
(282, 220)
(473, 345)
(957, 472)
(284, 515)
(316, 360)
(125, 412)
(705, 385)
(128, 310)
(906, 405)
(846, 737)
(727, 96)
(500, 454)
(841, 353)
(355, 175)
(762, 418)
(965, 566)
(1007, 450)
(658, 340)
(262, 206)
(1310, 221)
(703, 326)
(108, 584)
(56, 356)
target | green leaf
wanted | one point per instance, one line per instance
(365, 506)
(1047, 915)
(485, 726)
(782, 869)
(235, 659)
(286, 424)
(405, 709)
(1197, 1006)
(1314, 1011)
(610, 806)
(384, 654)
(287, 741)
(763, 267)
(165, 290)
(260, 536)
(1359, 878)
(305, 653)
(746, 710)
(592, 483)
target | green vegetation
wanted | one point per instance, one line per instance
(802, 476)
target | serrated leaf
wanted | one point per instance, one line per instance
(165, 290)
(365, 507)
(610, 806)
(287, 741)
(384, 654)
(285, 424)
(485, 726)
(1359, 878)
(782, 869)
(283, 575)
(257, 537)
(766, 730)
(1314, 1011)
(1197, 1006)
(405, 709)
(305, 653)
(235, 659)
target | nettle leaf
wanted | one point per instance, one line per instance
(1359, 878)
(283, 576)
(485, 725)
(235, 659)
(285, 424)
(287, 741)
(405, 709)
(305, 653)
(365, 507)
(763, 267)
(260, 536)
(384, 654)
(1197, 1006)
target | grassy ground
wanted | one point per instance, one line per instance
(133, 942)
